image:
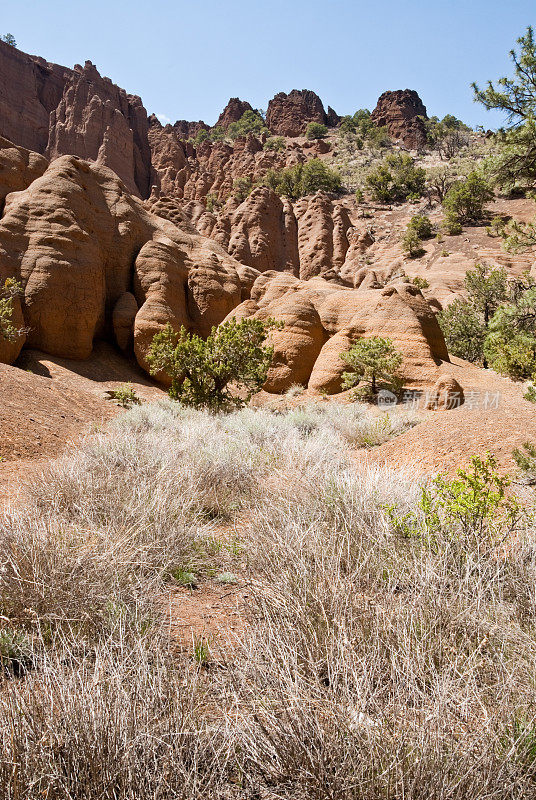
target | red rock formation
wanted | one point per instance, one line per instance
(52, 110)
(232, 112)
(288, 114)
(98, 121)
(93, 262)
(399, 112)
(321, 320)
(187, 130)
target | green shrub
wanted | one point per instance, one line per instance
(276, 143)
(412, 243)
(396, 179)
(220, 373)
(242, 188)
(463, 509)
(315, 130)
(249, 122)
(371, 360)
(530, 393)
(303, 179)
(420, 283)
(212, 202)
(422, 225)
(125, 395)
(466, 323)
(465, 200)
(11, 289)
(9, 39)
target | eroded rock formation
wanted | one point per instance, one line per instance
(232, 112)
(288, 114)
(52, 110)
(400, 113)
(94, 262)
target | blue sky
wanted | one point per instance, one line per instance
(185, 59)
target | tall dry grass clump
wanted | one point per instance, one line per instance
(389, 645)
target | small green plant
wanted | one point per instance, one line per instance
(396, 179)
(420, 283)
(315, 130)
(227, 577)
(125, 396)
(497, 227)
(242, 188)
(10, 290)
(422, 225)
(184, 577)
(249, 122)
(212, 202)
(530, 393)
(465, 201)
(303, 179)
(9, 39)
(452, 226)
(412, 244)
(201, 652)
(463, 509)
(203, 371)
(276, 143)
(526, 461)
(444, 254)
(359, 196)
(371, 360)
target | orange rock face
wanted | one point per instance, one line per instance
(321, 320)
(94, 262)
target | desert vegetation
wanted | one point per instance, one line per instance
(388, 639)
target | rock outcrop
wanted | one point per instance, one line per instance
(288, 114)
(53, 110)
(232, 112)
(98, 121)
(400, 113)
(93, 262)
(321, 320)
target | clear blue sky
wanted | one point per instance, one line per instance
(185, 59)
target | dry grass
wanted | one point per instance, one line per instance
(373, 666)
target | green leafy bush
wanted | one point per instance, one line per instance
(420, 283)
(422, 225)
(11, 289)
(9, 39)
(463, 510)
(396, 179)
(412, 243)
(242, 188)
(371, 360)
(220, 373)
(465, 200)
(125, 395)
(315, 130)
(249, 122)
(276, 143)
(526, 460)
(303, 179)
(465, 323)
(212, 202)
